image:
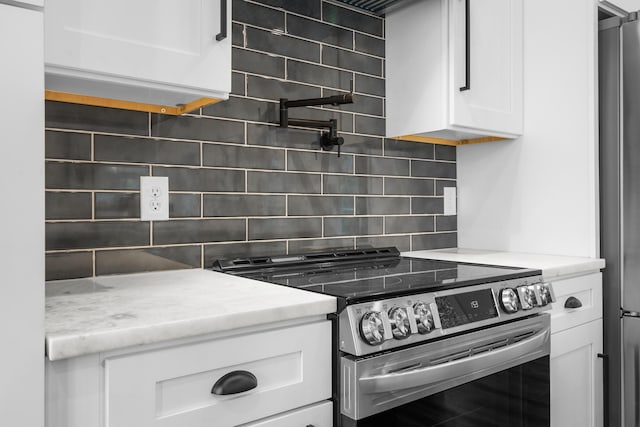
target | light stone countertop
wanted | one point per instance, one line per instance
(92, 315)
(552, 266)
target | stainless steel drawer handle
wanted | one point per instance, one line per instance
(235, 382)
(572, 302)
(402, 380)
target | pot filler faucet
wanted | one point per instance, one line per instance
(328, 139)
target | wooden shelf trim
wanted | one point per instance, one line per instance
(442, 141)
(52, 95)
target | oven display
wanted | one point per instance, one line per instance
(462, 309)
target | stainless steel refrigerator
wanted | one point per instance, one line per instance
(619, 96)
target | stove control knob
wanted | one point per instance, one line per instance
(545, 294)
(424, 317)
(509, 300)
(400, 327)
(527, 297)
(372, 328)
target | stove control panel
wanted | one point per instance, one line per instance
(369, 327)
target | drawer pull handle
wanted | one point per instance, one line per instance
(572, 302)
(235, 382)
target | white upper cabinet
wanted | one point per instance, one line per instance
(626, 5)
(166, 53)
(454, 71)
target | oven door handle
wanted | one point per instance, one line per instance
(529, 348)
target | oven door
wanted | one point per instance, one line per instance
(496, 376)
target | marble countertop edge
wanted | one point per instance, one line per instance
(63, 346)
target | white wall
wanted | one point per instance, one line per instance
(539, 193)
(21, 218)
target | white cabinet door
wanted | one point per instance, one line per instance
(493, 100)
(427, 65)
(183, 386)
(576, 376)
(151, 51)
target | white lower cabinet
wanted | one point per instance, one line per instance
(576, 341)
(276, 377)
(576, 376)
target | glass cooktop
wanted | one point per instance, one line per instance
(367, 278)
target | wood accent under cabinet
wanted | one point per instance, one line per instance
(73, 98)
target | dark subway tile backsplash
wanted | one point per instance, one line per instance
(434, 241)
(255, 62)
(95, 119)
(352, 226)
(383, 205)
(351, 60)
(284, 228)
(311, 8)
(320, 75)
(69, 265)
(147, 259)
(265, 88)
(239, 184)
(352, 19)
(104, 234)
(117, 205)
(279, 44)
(320, 205)
(241, 205)
(255, 14)
(382, 166)
(369, 85)
(202, 179)
(65, 205)
(67, 145)
(282, 182)
(318, 31)
(370, 45)
(93, 176)
(197, 128)
(243, 109)
(433, 169)
(198, 231)
(408, 186)
(109, 148)
(315, 161)
(411, 224)
(241, 156)
(345, 184)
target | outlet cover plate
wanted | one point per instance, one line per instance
(154, 198)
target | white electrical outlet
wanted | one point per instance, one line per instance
(154, 198)
(450, 205)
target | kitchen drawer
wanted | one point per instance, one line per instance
(320, 415)
(172, 387)
(588, 290)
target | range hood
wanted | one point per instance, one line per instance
(378, 7)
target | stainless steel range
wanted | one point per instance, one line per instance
(421, 342)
